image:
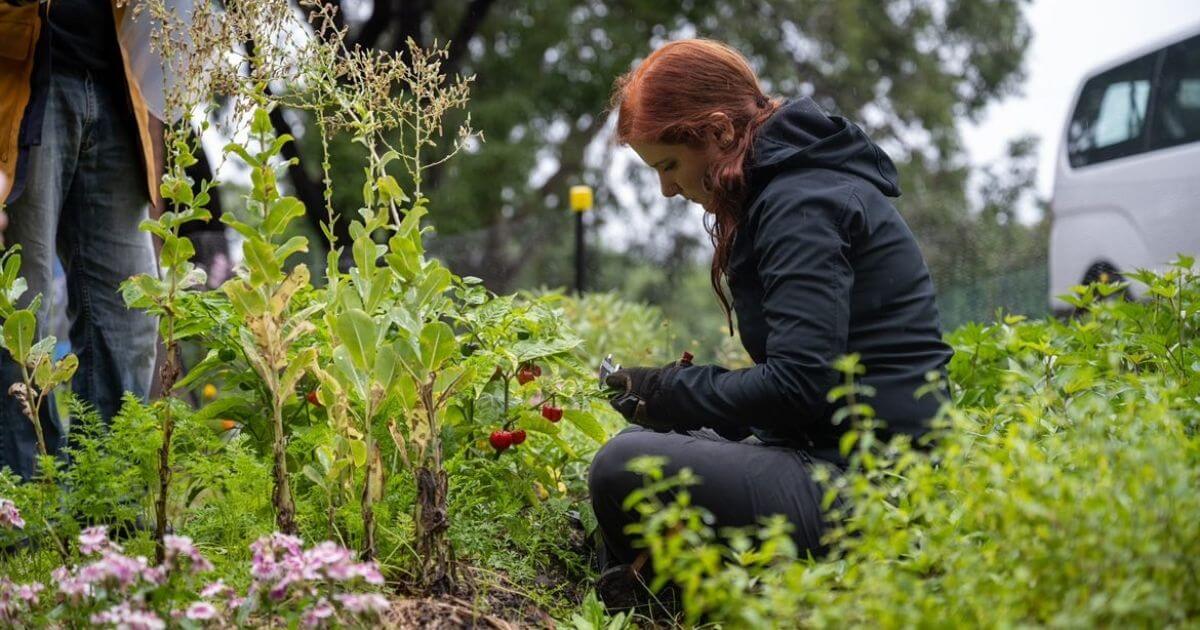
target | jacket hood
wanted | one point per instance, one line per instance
(800, 135)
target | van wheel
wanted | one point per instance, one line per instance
(1106, 272)
(1102, 271)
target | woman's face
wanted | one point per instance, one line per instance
(680, 168)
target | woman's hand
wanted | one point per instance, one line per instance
(638, 396)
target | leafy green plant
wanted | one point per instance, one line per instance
(40, 373)
(262, 295)
(1057, 490)
(162, 296)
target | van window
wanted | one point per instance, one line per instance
(1177, 109)
(1110, 118)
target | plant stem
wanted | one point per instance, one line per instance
(285, 509)
(167, 376)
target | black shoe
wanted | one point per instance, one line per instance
(622, 589)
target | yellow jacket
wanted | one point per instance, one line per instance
(20, 28)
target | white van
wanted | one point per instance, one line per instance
(1127, 179)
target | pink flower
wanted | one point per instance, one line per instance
(317, 613)
(365, 602)
(154, 575)
(10, 517)
(29, 592)
(279, 590)
(69, 585)
(215, 589)
(115, 568)
(201, 611)
(94, 539)
(16, 599)
(181, 546)
(369, 571)
(125, 617)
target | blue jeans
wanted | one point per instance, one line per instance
(84, 198)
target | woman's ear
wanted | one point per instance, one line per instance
(722, 129)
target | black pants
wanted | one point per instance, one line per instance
(740, 483)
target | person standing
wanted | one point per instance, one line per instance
(77, 176)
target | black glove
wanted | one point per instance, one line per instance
(639, 396)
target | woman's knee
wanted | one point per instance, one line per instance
(608, 472)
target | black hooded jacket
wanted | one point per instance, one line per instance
(822, 265)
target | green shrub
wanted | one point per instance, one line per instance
(1060, 490)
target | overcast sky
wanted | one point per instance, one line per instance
(1070, 38)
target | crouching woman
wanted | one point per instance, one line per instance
(818, 263)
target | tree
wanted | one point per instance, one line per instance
(907, 70)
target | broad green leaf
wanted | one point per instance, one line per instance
(296, 369)
(357, 331)
(406, 390)
(368, 191)
(261, 124)
(586, 423)
(176, 250)
(433, 284)
(188, 276)
(42, 371)
(241, 152)
(408, 352)
(565, 446)
(293, 245)
(352, 376)
(391, 189)
(19, 329)
(155, 228)
(358, 452)
(410, 226)
(387, 365)
(437, 344)
(244, 229)
(245, 299)
(380, 288)
(453, 377)
(277, 146)
(43, 348)
(282, 211)
(142, 291)
(403, 258)
(260, 260)
(533, 421)
(530, 349)
(223, 407)
(211, 362)
(313, 475)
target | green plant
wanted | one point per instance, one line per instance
(40, 373)
(1057, 490)
(163, 297)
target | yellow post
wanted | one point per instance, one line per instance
(581, 201)
(581, 198)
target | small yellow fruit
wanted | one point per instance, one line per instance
(210, 391)
(541, 491)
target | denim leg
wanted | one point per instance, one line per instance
(101, 246)
(33, 223)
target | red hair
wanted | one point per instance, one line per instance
(670, 98)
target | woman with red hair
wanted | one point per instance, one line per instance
(819, 264)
